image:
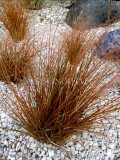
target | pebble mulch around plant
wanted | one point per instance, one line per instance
(85, 146)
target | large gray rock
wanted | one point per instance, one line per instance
(94, 11)
(110, 45)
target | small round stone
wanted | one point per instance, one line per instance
(51, 153)
(78, 147)
(112, 145)
(109, 152)
(103, 147)
(49, 158)
(12, 158)
(70, 143)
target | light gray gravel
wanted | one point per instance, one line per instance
(85, 146)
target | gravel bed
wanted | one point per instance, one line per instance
(86, 146)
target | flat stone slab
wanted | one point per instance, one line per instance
(110, 45)
(93, 11)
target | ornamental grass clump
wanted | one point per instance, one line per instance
(14, 59)
(63, 92)
(34, 4)
(15, 20)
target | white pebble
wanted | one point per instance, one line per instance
(13, 153)
(33, 145)
(67, 158)
(91, 143)
(42, 153)
(68, 149)
(45, 149)
(3, 115)
(49, 145)
(109, 152)
(21, 138)
(51, 153)
(73, 149)
(74, 137)
(62, 155)
(6, 143)
(70, 143)
(103, 147)
(49, 158)
(112, 156)
(18, 146)
(76, 152)
(85, 135)
(112, 145)
(95, 144)
(78, 147)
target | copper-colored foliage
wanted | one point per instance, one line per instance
(15, 19)
(14, 59)
(34, 4)
(61, 99)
